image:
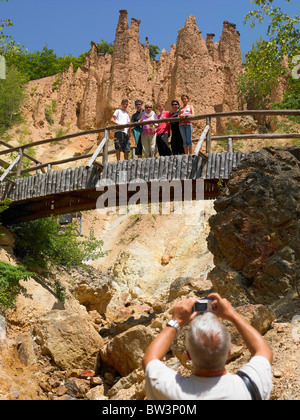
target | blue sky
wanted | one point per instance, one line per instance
(68, 26)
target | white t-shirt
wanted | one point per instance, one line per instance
(163, 383)
(122, 118)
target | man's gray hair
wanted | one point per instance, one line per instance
(208, 342)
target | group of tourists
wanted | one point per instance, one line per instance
(154, 137)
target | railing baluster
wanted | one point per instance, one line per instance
(19, 167)
(9, 169)
(230, 146)
(98, 150)
(208, 138)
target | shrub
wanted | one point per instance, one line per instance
(44, 242)
(10, 277)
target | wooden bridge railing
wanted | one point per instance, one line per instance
(102, 149)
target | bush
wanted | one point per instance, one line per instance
(44, 242)
(10, 277)
(4, 205)
(12, 96)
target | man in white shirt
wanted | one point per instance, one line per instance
(208, 346)
(122, 142)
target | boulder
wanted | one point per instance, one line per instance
(69, 339)
(125, 351)
(93, 290)
(255, 234)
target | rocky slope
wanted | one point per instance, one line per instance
(255, 235)
(91, 346)
(125, 298)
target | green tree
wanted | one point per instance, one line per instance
(153, 51)
(5, 40)
(105, 47)
(283, 30)
(263, 63)
(262, 67)
(12, 95)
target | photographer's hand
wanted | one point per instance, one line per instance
(221, 307)
(252, 338)
(160, 346)
(183, 311)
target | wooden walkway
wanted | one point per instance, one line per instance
(75, 189)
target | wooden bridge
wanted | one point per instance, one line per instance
(77, 189)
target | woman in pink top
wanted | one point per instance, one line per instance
(148, 135)
(185, 126)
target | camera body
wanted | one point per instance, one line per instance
(203, 305)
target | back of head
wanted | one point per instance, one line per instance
(208, 342)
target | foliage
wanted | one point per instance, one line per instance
(10, 277)
(263, 64)
(262, 68)
(4, 205)
(6, 41)
(41, 63)
(12, 95)
(291, 98)
(60, 291)
(44, 242)
(153, 51)
(283, 30)
(105, 47)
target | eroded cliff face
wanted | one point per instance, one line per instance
(255, 234)
(205, 70)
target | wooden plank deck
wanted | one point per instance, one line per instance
(75, 189)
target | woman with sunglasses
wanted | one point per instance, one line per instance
(176, 138)
(149, 130)
(186, 126)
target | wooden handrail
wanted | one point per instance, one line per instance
(287, 112)
(258, 136)
(9, 146)
(102, 149)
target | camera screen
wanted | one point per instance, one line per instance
(200, 307)
(203, 305)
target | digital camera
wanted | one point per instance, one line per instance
(203, 305)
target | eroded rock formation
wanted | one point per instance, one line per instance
(205, 70)
(255, 235)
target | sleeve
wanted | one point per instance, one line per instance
(260, 371)
(159, 380)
